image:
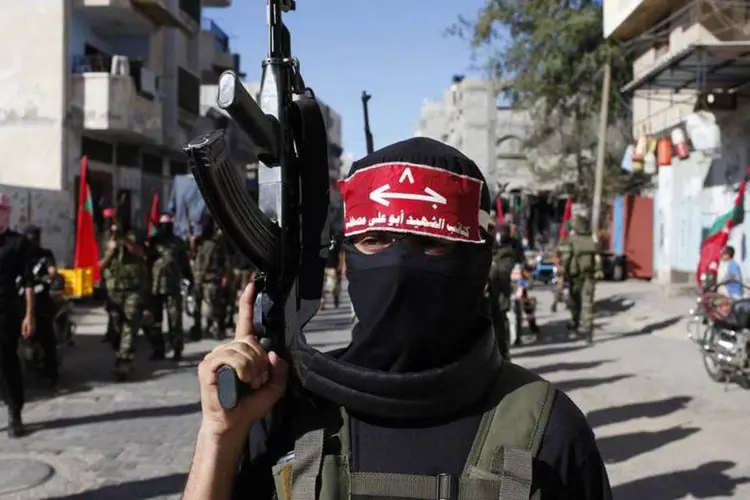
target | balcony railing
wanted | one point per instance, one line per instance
(145, 81)
(188, 92)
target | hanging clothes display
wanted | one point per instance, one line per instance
(680, 143)
(664, 152)
(649, 160)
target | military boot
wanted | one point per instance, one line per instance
(16, 428)
(177, 355)
(124, 368)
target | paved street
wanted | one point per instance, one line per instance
(666, 431)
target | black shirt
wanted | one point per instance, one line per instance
(15, 261)
(568, 465)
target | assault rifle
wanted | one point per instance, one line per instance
(285, 234)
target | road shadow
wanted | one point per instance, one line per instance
(535, 351)
(134, 490)
(569, 367)
(616, 449)
(89, 364)
(612, 306)
(707, 481)
(129, 415)
(586, 383)
(648, 409)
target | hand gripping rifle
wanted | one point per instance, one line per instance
(285, 234)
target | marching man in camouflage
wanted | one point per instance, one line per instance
(210, 269)
(125, 273)
(579, 270)
(562, 254)
(504, 258)
(169, 263)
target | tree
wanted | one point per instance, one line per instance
(547, 57)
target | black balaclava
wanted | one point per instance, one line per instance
(34, 235)
(422, 346)
(166, 225)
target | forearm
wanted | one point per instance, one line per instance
(213, 471)
(30, 302)
(104, 262)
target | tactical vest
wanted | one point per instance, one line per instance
(166, 271)
(127, 272)
(582, 259)
(499, 465)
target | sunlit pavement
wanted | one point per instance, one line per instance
(666, 431)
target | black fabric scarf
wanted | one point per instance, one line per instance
(422, 347)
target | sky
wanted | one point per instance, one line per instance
(396, 50)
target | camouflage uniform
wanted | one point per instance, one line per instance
(580, 268)
(169, 263)
(210, 270)
(126, 278)
(237, 280)
(500, 289)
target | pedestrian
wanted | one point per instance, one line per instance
(169, 263)
(210, 270)
(420, 404)
(125, 272)
(501, 287)
(561, 255)
(16, 319)
(579, 271)
(730, 274)
(44, 270)
(332, 284)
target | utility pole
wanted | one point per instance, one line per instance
(368, 133)
(601, 148)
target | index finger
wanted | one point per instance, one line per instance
(245, 315)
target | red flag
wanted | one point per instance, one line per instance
(718, 235)
(567, 217)
(154, 220)
(87, 248)
(500, 213)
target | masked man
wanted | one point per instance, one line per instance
(169, 262)
(16, 319)
(125, 272)
(420, 404)
(211, 269)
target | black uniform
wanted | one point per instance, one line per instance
(15, 260)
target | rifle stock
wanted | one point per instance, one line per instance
(285, 234)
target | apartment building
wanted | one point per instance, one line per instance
(115, 80)
(690, 71)
(469, 118)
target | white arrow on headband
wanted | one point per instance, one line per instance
(380, 195)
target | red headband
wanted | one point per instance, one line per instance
(410, 198)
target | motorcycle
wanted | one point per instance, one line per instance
(724, 336)
(63, 326)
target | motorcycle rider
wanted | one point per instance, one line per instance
(44, 269)
(420, 404)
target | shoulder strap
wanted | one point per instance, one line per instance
(509, 435)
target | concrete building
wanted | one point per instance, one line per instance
(469, 119)
(690, 71)
(115, 80)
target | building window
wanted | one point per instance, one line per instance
(96, 150)
(192, 8)
(128, 155)
(188, 91)
(152, 164)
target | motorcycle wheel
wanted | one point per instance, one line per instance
(713, 368)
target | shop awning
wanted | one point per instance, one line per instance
(706, 66)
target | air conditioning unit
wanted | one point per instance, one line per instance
(711, 101)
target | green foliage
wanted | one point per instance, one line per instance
(547, 57)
